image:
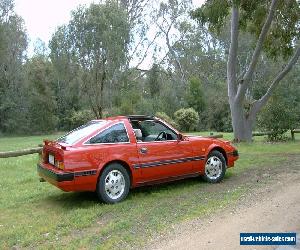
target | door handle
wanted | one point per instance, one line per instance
(144, 150)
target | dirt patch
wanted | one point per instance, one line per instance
(271, 205)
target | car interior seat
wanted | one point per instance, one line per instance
(138, 134)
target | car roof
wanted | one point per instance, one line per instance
(129, 117)
(141, 117)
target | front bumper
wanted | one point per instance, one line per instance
(234, 153)
(232, 157)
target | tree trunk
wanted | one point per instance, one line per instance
(242, 125)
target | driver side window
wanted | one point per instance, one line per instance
(156, 131)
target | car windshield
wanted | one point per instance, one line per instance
(79, 133)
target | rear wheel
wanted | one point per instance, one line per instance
(113, 184)
(215, 167)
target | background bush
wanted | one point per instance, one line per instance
(278, 116)
(78, 118)
(187, 119)
(167, 118)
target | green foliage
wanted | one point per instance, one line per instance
(213, 12)
(217, 115)
(278, 116)
(285, 26)
(148, 106)
(282, 34)
(195, 95)
(282, 111)
(153, 81)
(99, 33)
(13, 43)
(128, 100)
(42, 103)
(78, 118)
(187, 119)
(166, 118)
(67, 77)
(96, 38)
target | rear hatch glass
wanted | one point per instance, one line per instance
(81, 132)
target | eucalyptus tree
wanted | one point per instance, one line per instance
(97, 40)
(141, 39)
(200, 54)
(67, 75)
(168, 18)
(275, 25)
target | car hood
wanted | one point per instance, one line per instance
(206, 138)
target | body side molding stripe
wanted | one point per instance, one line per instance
(167, 162)
(85, 173)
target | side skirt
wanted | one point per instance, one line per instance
(169, 179)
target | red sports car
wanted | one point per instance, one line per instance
(112, 155)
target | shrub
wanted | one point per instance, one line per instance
(278, 117)
(78, 118)
(187, 119)
(166, 118)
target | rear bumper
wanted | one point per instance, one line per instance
(51, 174)
(64, 181)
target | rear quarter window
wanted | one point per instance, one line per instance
(114, 134)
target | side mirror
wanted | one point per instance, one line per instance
(180, 137)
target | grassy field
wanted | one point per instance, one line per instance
(38, 215)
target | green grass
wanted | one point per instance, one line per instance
(38, 215)
(22, 142)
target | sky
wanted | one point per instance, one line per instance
(42, 17)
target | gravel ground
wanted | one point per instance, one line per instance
(272, 207)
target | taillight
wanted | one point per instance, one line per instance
(42, 156)
(60, 165)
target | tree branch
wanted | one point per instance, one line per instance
(146, 51)
(170, 47)
(245, 82)
(263, 100)
(144, 72)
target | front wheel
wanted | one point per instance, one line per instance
(215, 167)
(113, 185)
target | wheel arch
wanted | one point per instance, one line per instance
(121, 162)
(221, 150)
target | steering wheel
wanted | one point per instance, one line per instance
(161, 135)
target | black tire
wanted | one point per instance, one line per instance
(209, 176)
(105, 194)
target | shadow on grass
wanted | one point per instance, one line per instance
(136, 195)
(88, 199)
(72, 199)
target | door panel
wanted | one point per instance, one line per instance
(160, 160)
